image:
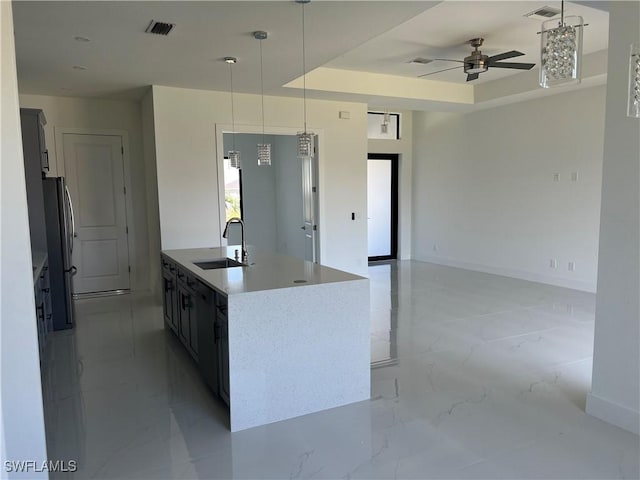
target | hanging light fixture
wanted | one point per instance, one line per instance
(233, 155)
(386, 118)
(561, 51)
(264, 149)
(634, 82)
(305, 139)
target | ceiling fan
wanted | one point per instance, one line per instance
(477, 63)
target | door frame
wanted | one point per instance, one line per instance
(59, 133)
(395, 162)
(319, 211)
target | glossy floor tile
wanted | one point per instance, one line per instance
(475, 376)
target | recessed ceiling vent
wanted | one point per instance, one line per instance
(160, 28)
(543, 13)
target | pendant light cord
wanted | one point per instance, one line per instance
(233, 123)
(262, 89)
(562, 13)
(304, 74)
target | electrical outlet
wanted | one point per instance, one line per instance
(553, 263)
(572, 266)
(556, 177)
(574, 176)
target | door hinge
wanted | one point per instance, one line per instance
(124, 189)
(129, 268)
(122, 150)
(313, 189)
(315, 227)
(126, 230)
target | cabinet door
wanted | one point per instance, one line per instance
(193, 318)
(169, 298)
(223, 352)
(184, 300)
(207, 341)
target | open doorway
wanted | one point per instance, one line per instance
(382, 206)
(278, 203)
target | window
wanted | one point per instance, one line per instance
(232, 189)
(376, 125)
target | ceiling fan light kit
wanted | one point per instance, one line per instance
(561, 51)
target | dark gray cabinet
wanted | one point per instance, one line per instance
(36, 160)
(42, 298)
(170, 296)
(223, 348)
(208, 335)
(197, 315)
(188, 328)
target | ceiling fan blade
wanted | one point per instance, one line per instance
(516, 65)
(472, 76)
(447, 60)
(439, 71)
(504, 56)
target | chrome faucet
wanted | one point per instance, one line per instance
(225, 234)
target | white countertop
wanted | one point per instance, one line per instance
(266, 270)
(38, 259)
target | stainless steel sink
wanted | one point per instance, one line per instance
(218, 263)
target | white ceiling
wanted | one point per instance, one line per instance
(377, 37)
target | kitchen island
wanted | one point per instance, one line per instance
(276, 339)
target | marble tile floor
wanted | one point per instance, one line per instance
(476, 376)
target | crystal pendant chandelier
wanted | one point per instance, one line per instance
(233, 155)
(305, 139)
(634, 82)
(384, 126)
(561, 51)
(264, 149)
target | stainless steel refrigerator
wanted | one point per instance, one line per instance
(60, 225)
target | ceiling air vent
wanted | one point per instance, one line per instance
(159, 28)
(543, 13)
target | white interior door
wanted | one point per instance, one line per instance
(379, 207)
(95, 176)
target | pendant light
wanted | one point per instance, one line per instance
(233, 155)
(386, 118)
(305, 139)
(561, 51)
(264, 149)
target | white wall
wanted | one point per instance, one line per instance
(185, 136)
(100, 115)
(484, 191)
(151, 184)
(21, 413)
(615, 391)
(403, 147)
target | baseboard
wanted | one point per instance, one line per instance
(507, 272)
(613, 413)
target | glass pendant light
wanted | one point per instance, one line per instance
(305, 139)
(634, 82)
(561, 51)
(264, 149)
(386, 118)
(233, 155)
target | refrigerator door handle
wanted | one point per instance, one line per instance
(73, 219)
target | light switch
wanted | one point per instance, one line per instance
(344, 115)
(574, 176)
(556, 177)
